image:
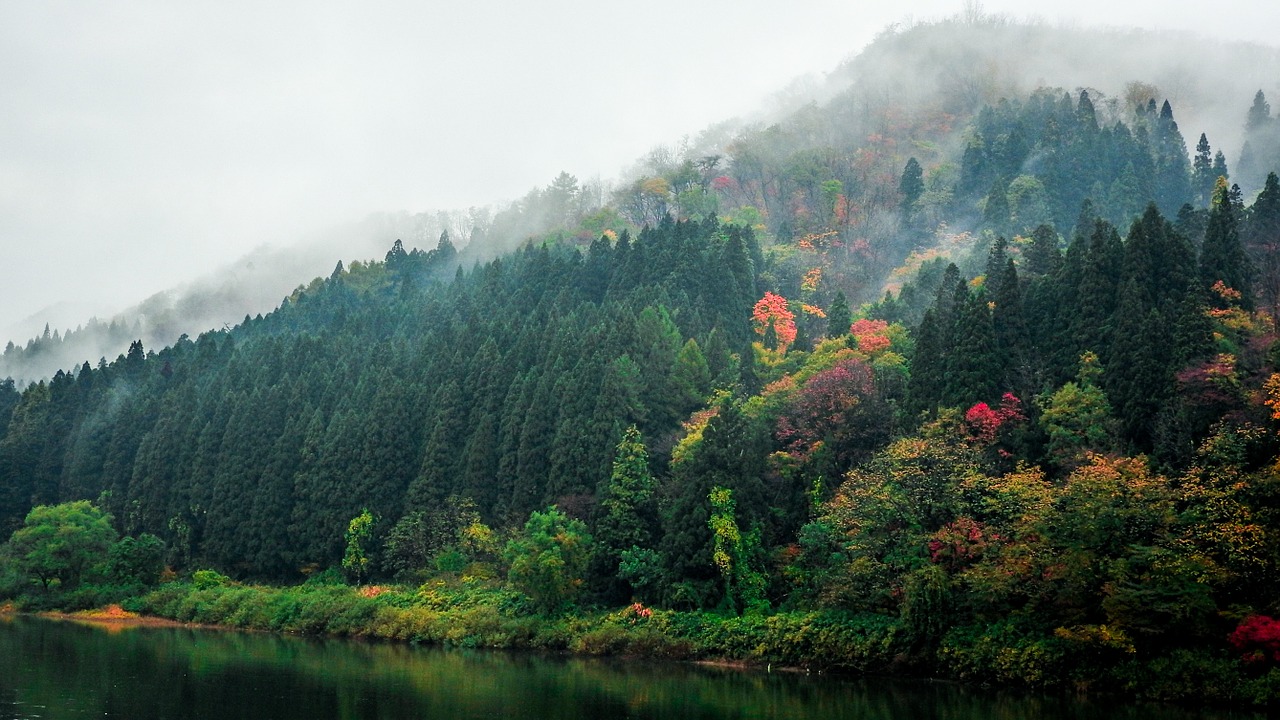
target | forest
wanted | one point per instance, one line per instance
(1043, 453)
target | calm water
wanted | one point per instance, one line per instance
(51, 669)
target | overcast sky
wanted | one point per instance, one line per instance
(143, 144)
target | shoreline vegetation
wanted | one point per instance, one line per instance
(474, 612)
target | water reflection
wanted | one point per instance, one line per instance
(55, 669)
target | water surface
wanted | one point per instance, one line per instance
(58, 669)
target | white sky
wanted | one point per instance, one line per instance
(144, 143)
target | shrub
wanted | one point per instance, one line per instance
(205, 579)
(1257, 638)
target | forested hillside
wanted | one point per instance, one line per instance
(1045, 451)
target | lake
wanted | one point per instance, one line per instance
(60, 669)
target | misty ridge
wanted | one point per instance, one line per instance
(916, 91)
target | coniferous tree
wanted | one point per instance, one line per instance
(1099, 284)
(1222, 256)
(1172, 168)
(627, 512)
(1043, 256)
(911, 187)
(1202, 172)
(1261, 236)
(1009, 332)
(973, 369)
(995, 213)
(1140, 380)
(839, 318)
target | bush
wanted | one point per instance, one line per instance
(1003, 653)
(136, 561)
(205, 579)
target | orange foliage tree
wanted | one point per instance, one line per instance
(771, 312)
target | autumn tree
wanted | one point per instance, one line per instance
(772, 319)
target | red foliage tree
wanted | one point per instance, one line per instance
(772, 311)
(871, 335)
(838, 407)
(1258, 639)
(985, 423)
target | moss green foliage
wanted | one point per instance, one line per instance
(355, 561)
(472, 612)
(62, 543)
(549, 559)
(136, 561)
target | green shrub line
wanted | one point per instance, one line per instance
(479, 613)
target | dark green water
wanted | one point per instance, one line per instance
(52, 669)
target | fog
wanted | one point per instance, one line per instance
(146, 145)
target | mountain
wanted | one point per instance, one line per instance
(1045, 449)
(910, 92)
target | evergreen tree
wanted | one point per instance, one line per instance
(1009, 332)
(1261, 236)
(1222, 256)
(911, 187)
(1043, 256)
(995, 213)
(1139, 381)
(628, 513)
(1202, 172)
(973, 369)
(839, 318)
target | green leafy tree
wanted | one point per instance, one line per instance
(62, 542)
(421, 538)
(549, 559)
(136, 560)
(733, 555)
(1077, 417)
(355, 562)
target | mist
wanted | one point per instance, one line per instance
(178, 169)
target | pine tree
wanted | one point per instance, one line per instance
(996, 214)
(628, 511)
(839, 318)
(1009, 331)
(1259, 115)
(1173, 170)
(1261, 235)
(1043, 256)
(928, 364)
(973, 368)
(994, 272)
(911, 187)
(1099, 284)
(1202, 172)
(1222, 256)
(1139, 380)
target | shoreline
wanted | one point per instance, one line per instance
(796, 643)
(115, 616)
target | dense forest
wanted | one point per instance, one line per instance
(1048, 449)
